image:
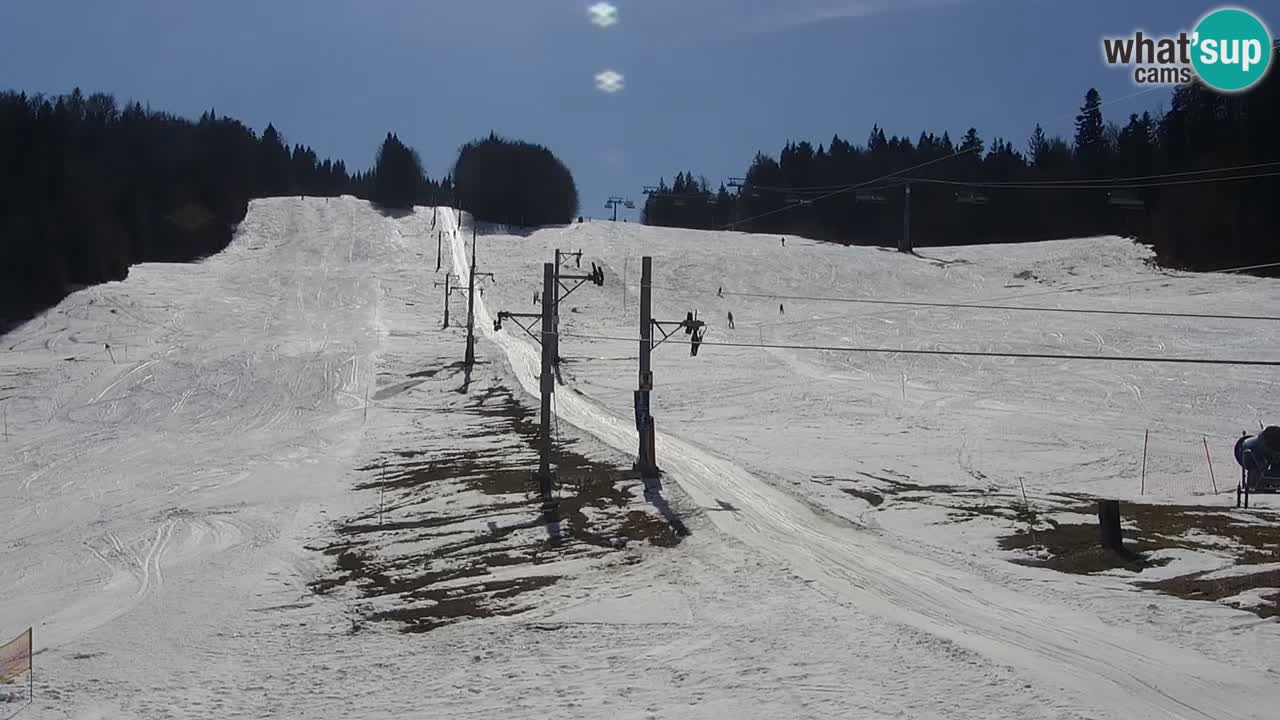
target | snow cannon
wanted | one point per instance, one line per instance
(1259, 460)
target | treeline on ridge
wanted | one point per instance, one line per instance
(514, 183)
(983, 196)
(88, 188)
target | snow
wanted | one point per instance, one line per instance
(1239, 570)
(1182, 562)
(1255, 597)
(156, 502)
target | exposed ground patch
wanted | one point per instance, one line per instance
(1075, 548)
(457, 532)
(1247, 537)
(1048, 532)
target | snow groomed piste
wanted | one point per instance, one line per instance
(157, 505)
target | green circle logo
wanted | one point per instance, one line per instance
(1231, 49)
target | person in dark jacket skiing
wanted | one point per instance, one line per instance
(730, 321)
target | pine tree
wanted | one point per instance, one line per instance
(398, 178)
(1090, 138)
(1135, 149)
(274, 164)
(1036, 144)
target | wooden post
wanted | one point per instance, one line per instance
(904, 245)
(1242, 490)
(1208, 460)
(1109, 521)
(1142, 487)
(1027, 504)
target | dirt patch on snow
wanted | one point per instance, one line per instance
(1251, 537)
(1048, 531)
(1077, 548)
(458, 531)
(1198, 587)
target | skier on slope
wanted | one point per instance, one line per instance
(731, 321)
(1258, 453)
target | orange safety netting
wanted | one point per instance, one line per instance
(15, 657)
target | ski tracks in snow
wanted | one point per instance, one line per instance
(143, 565)
(1114, 671)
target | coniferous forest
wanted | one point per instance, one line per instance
(88, 188)
(514, 183)
(1050, 187)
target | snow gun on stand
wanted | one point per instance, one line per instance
(1259, 459)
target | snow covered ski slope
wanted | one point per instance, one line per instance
(174, 441)
(1102, 665)
(177, 441)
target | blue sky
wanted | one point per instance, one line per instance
(708, 82)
